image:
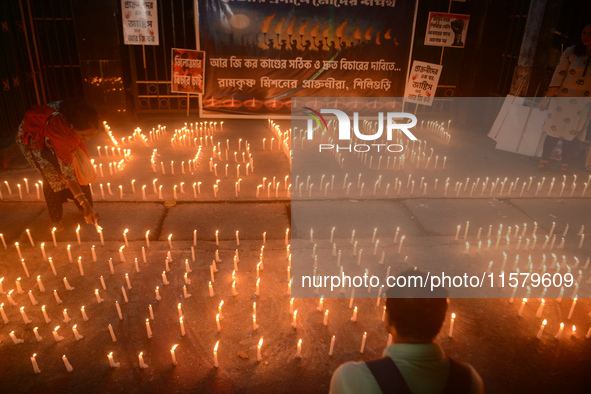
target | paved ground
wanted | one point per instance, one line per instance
(488, 333)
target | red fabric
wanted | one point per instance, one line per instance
(58, 130)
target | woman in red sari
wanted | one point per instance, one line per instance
(52, 138)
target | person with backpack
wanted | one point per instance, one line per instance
(51, 137)
(414, 363)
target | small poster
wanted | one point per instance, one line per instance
(140, 22)
(422, 83)
(188, 67)
(447, 30)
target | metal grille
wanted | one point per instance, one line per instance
(150, 65)
(40, 60)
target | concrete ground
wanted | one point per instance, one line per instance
(488, 332)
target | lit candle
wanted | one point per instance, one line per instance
(34, 362)
(255, 326)
(66, 317)
(30, 237)
(18, 250)
(560, 331)
(523, 302)
(363, 342)
(182, 326)
(294, 320)
(299, 351)
(24, 315)
(78, 234)
(148, 329)
(572, 308)
(67, 364)
(451, 325)
(112, 363)
(15, 339)
(540, 308)
(4, 317)
(37, 336)
(77, 335)
(143, 365)
(56, 336)
(215, 354)
(259, 346)
(354, 317)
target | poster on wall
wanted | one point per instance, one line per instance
(261, 54)
(422, 83)
(188, 68)
(140, 22)
(447, 30)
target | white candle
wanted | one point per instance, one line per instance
(215, 354)
(572, 308)
(119, 309)
(182, 326)
(67, 364)
(259, 346)
(143, 365)
(32, 298)
(56, 336)
(560, 331)
(77, 335)
(112, 362)
(354, 317)
(541, 330)
(30, 237)
(148, 329)
(173, 355)
(113, 337)
(299, 351)
(15, 339)
(331, 346)
(34, 362)
(540, 308)
(451, 325)
(523, 302)
(363, 342)
(66, 317)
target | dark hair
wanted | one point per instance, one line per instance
(81, 115)
(580, 49)
(415, 317)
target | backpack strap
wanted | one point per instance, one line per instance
(388, 376)
(459, 379)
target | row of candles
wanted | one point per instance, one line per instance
(414, 186)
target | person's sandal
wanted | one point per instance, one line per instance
(544, 165)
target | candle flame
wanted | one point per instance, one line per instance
(574, 329)
(279, 26)
(267, 23)
(561, 325)
(261, 341)
(339, 30)
(174, 347)
(453, 315)
(215, 349)
(367, 34)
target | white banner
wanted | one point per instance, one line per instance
(422, 83)
(140, 22)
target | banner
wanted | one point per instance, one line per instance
(260, 54)
(140, 22)
(447, 30)
(422, 82)
(188, 67)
